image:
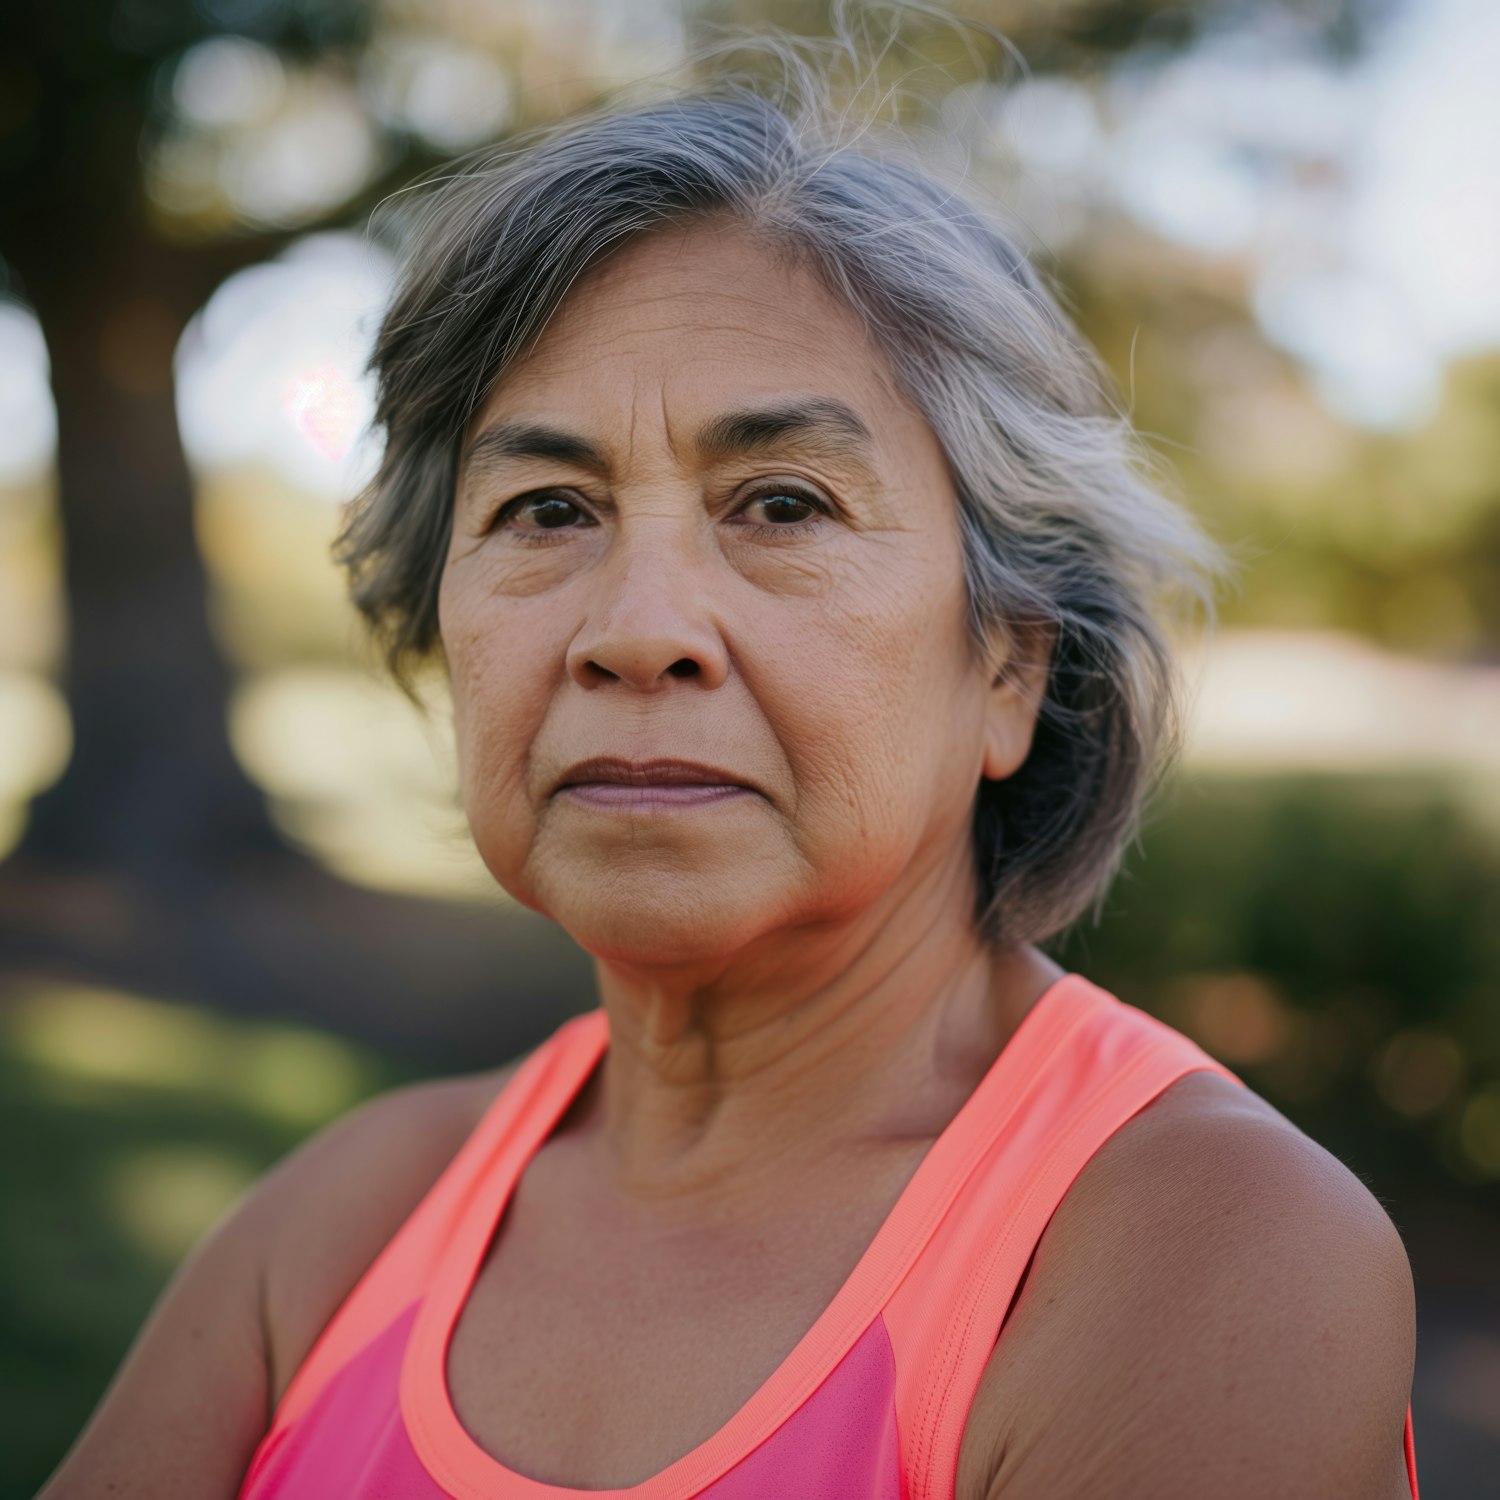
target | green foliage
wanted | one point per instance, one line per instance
(1393, 535)
(1335, 939)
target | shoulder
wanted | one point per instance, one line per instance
(1218, 1306)
(365, 1174)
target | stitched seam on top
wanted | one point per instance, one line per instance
(435, 1461)
(941, 1393)
(424, 1440)
(893, 1407)
(1154, 1048)
(923, 1428)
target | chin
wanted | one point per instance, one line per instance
(642, 920)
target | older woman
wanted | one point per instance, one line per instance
(799, 588)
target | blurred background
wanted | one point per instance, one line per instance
(236, 889)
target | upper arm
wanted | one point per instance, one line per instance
(193, 1397)
(1219, 1307)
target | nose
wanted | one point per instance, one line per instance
(648, 619)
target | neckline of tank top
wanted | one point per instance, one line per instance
(470, 1472)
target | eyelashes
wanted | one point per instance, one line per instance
(556, 503)
(535, 498)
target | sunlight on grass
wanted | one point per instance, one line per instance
(290, 1075)
(164, 1198)
(200, 1103)
(132, 1124)
(104, 1036)
(300, 1077)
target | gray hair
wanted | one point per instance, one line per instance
(1061, 509)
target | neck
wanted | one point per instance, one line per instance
(878, 1029)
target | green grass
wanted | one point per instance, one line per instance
(1336, 940)
(131, 1125)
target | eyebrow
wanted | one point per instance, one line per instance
(820, 423)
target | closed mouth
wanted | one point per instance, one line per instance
(662, 774)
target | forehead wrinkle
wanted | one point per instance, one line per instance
(703, 338)
(627, 284)
(666, 421)
(623, 314)
(602, 314)
(644, 323)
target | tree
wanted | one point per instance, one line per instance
(152, 788)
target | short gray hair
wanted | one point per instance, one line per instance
(1061, 508)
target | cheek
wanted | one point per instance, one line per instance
(500, 693)
(494, 664)
(880, 713)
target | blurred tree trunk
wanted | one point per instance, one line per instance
(152, 786)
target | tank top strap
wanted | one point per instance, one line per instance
(401, 1274)
(1096, 1062)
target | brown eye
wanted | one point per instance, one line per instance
(552, 511)
(544, 511)
(782, 509)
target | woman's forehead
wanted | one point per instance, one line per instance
(723, 269)
(702, 321)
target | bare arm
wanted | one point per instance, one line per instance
(1219, 1307)
(193, 1397)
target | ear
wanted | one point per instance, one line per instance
(1019, 669)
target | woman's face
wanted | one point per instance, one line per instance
(699, 523)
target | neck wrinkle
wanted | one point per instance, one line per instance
(686, 1106)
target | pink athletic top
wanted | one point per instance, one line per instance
(870, 1404)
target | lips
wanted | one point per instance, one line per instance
(613, 770)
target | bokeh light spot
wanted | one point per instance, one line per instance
(164, 1198)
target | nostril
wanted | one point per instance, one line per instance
(686, 667)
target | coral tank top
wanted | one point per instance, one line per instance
(869, 1405)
